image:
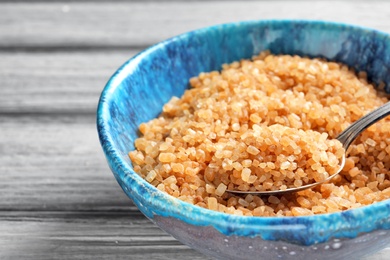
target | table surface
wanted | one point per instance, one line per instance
(58, 198)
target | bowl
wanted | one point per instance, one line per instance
(138, 90)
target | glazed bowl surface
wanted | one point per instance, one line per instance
(139, 89)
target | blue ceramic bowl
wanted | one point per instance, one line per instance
(138, 90)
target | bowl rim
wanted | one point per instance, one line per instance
(146, 195)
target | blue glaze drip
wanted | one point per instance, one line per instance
(139, 89)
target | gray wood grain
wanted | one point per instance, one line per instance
(55, 163)
(86, 235)
(66, 82)
(63, 25)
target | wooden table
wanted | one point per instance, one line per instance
(58, 198)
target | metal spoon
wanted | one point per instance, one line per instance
(346, 138)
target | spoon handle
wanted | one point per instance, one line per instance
(352, 131)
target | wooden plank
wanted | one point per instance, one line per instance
(69, 82)
(91, 235)
(123, 24)
(55, 163)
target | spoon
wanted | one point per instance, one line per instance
(346, 138)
